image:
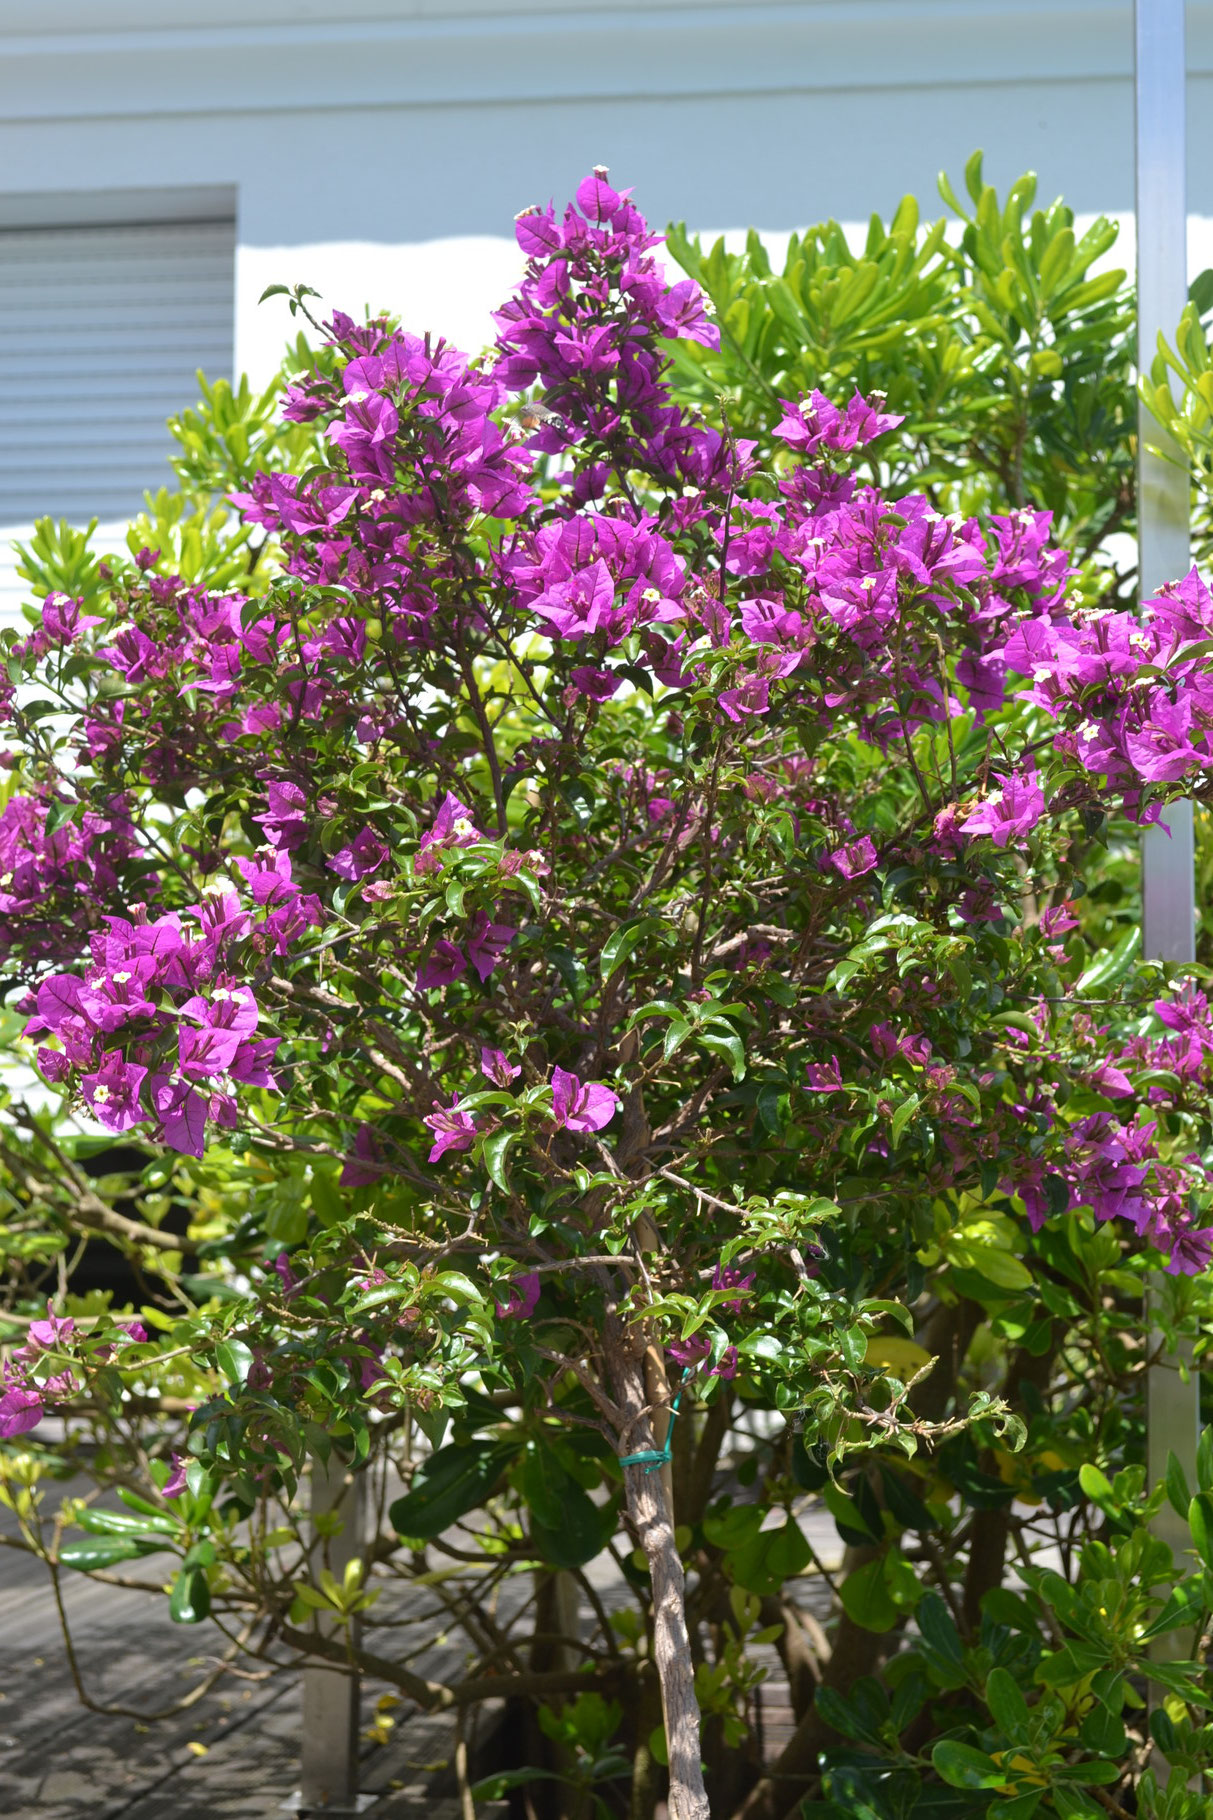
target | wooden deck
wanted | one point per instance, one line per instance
(236, 1751)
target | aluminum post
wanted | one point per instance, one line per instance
(329, 1755)
(1168, 864)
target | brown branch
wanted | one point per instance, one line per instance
(87, 1205)
(438, 1696)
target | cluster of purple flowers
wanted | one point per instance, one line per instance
(54, 878)
(43, 1371)
(584, 325)
(1133, 700)
(163, 1025)
(837, 589)
(414, 430)
(580, 1106)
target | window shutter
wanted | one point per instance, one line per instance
(102, 329)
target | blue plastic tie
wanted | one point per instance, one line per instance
(651, 1460)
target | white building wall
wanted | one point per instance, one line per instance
(380, 148)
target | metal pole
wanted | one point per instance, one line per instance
(1168, 865)
(329, 1755)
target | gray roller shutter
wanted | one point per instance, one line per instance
(102, 328)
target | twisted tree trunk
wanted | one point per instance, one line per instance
(651, 1510)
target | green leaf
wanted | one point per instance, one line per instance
(1065, 1667)
(234, 1360)
(1204, 1460)
(448, 1485)
(1200, 292)
(623, 941)
(493, 1154)
(190, 1600)
(1019, 1807)
(493, 1788)
(133, 1501)
(1004, 1697)
(125, 1523)
(973, 177)
(763, 1562)
(998, 1268)
(1113, 964)
(901, 1118)
(851, 1523)
(205, 1289)
(866, 1598)
(1186, 1606)
(1103, 1731)
(938, 1631)
(543, 1483)
(459, 1288)
(852, 1717)
(963, 1767)
(730, 1046)
(104, 1551)
(1096, 1486)
(1200, 1521)
(731, 1525)
(582, 1532)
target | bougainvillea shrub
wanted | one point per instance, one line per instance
(590, 913)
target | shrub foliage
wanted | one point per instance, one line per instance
(589, 895)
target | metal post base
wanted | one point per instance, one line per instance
(294, 1804)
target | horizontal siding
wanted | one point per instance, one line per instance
(748, 46)
(102, 330)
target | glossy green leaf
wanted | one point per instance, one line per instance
(105, 1551)
(962, 1766)
(1200, 1521)
(1005, 1699)
(234, 1360)
(125, 1522)
(190, 1600)
(448, 1485)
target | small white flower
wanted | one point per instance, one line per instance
(101, 1094)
